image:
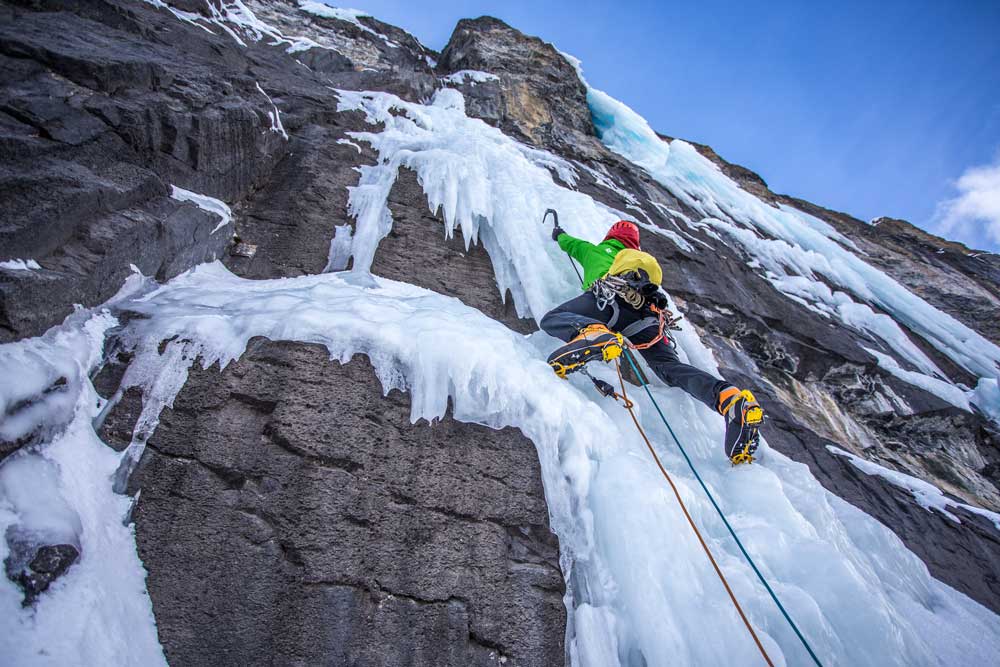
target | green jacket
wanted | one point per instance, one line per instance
(595, 259)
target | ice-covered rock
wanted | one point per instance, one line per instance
(299, 492)
(45, 540)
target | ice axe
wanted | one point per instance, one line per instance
(555, 217)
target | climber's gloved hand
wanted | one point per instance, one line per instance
(556, 231)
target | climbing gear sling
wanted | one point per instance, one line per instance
(609, 289)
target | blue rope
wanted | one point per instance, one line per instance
(645, 385)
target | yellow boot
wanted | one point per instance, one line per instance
(595, 341)
(743, 416)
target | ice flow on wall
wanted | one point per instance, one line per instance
(640, 584)
(792, 247)
(629, 594)
(640, 589)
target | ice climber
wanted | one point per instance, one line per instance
(623, 299)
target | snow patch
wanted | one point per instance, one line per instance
(274, 115)
(348, 142)
(237, 20)
(475, 76)
(927, 495)
(20, 265)
(343, 14)
(205, 203)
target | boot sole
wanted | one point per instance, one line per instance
(573, 360)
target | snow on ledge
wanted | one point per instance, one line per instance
(345, 14)
(20, 265)
(232, 16)
(326, 11)
(473, 75)
(927, 495)
(205, 203)
(946, 391)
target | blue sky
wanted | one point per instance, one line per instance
(869, 108)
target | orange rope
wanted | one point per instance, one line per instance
(629, 406)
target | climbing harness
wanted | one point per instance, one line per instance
(629, 405)
(609, 289)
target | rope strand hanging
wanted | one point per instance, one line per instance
(645, 385)
(732, 596)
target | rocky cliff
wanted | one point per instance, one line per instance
(289, 513)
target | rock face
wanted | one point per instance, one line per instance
(286, 513)
(289, 512)
(46, 564)
(532, 75)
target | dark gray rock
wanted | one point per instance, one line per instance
(116, 422)
(277, 497)
(105, 117)
(292, 218)
(34, 567)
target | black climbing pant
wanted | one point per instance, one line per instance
(566, 321)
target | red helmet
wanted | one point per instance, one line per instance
(625, 231)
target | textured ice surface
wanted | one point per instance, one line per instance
(640, 583)
(486, 185)
(98, 612)
(986, 397)
(340, 249)
(793, 248)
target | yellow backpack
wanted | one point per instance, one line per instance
(630, 260)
